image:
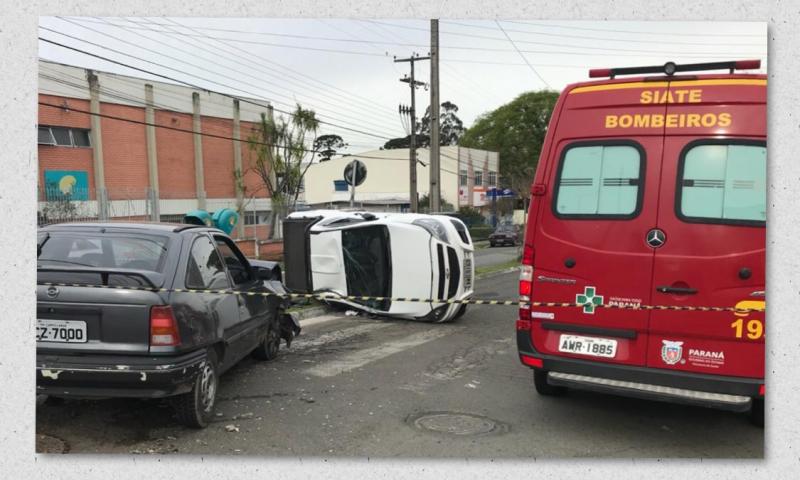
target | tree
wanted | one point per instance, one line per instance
(516, 130)
(425, 204)
(451, 128)
(327, 145)
(281, 158)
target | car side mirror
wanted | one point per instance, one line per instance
(268, 274)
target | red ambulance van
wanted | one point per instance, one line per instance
(648, 211)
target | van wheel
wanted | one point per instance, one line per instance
(544, 388)
(757, 412)
(196, 408)
(268, 348)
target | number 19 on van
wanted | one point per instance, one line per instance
(755, 329)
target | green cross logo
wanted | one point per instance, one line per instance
(589, 300)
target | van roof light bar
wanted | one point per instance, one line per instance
(671, 68)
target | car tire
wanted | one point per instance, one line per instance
(544, 388)
(268, 348)
(491, 244)
(196, 408)
(757, 412)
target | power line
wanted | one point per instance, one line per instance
(678, 34)
(183, 81)
(523, 56)
(583, 37)
(610, 49)
(453, 47)
(244, 73)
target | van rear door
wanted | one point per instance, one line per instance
(589, 248)
(713, 212)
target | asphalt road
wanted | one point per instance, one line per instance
(495, 255)
(356, 386)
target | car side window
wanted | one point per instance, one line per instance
(204, 268)
(596, 181)
(237, 266)
(723, 183)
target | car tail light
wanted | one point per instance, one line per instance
(532, 362)
(163, 327)
(525, 288)
(761, 390)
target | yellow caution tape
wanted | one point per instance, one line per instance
(356, 298)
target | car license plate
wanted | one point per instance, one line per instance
(65, 331)
(467, 272)
(595, 347)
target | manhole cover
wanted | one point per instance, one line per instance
(457, 423)
(50, 444)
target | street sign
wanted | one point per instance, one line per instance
(360, 170)
(500, 193)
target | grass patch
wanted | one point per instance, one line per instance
(499, 267)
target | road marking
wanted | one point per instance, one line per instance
(328, 338)
(317, 320)
(363, 357)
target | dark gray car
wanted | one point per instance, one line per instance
(142, 334)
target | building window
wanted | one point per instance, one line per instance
(492, 179)
(64, 137)
(260, 217)
(340, 186)
(462, 178)
(478, 178)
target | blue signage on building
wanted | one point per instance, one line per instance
(66, 185)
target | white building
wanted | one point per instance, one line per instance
(465, 176)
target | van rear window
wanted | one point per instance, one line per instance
(723, 183)
(599, 181)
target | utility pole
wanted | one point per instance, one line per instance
(434, 192)
(412, 153)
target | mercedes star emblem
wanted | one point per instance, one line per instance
(656, 238)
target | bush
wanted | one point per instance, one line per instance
(481, 232)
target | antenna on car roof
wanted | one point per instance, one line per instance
(671, 68)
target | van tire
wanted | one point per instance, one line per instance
(544, 388)
(757, 412)
(196, 408)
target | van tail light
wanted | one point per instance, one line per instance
(163, 327)
(531, 361)
(761, 390)
(525, 288)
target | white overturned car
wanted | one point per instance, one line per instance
(392, 255)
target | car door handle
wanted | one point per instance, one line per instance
(681, 290)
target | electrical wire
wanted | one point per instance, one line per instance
(523, 56)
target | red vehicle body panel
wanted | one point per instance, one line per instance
(659, 116)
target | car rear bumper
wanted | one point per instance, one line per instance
(727, 393)
(93, 376)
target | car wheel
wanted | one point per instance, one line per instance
(757, 412)
(544, 388)
(268, 348)
(196, 408)
(491, 244)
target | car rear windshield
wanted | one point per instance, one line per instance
(723, 183)
(139, 252)
(597, 181)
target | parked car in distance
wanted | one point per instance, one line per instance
(138, 342)
(381, 255)
(506, 234)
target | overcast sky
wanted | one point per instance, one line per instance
(344, 69)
